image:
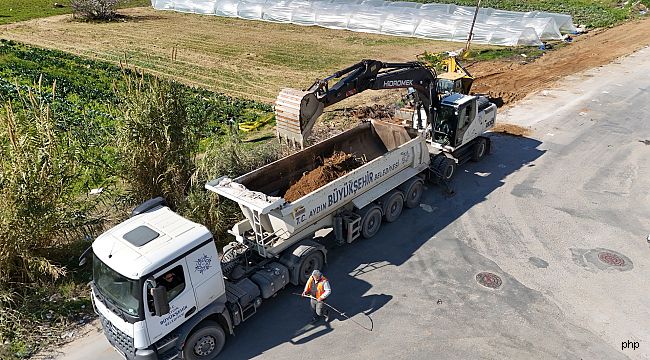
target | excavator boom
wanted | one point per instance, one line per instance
(296, 111)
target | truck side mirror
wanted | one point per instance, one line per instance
(83, 259)
(160, 302)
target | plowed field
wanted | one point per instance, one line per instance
(251, 59)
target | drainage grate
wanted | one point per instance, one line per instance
(611, 258)
(489, 280)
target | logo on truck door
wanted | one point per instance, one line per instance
(203, 264)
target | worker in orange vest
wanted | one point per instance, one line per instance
(318, 289)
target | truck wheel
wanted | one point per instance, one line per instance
(205, 342)
(370, 221)
(312, 261)
(479, 149)
(394, 206)
(414, 194)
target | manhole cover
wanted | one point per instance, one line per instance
(489, 280)
(610, 258)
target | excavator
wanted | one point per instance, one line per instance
(455, 78)
(452, 76)
(452, 123)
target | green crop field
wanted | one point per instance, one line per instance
(90, 112)
(85, 96)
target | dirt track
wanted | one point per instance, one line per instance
(513, 81)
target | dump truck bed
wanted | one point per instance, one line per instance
(392, 155)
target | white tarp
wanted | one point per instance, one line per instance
(431, 21)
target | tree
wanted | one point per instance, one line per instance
(95, 9)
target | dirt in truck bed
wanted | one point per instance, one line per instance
(335, 166)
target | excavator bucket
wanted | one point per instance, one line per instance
(296, 112)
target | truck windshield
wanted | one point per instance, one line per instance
(122, 292)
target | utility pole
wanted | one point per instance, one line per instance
(471, 29)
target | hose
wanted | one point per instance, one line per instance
(372, 325)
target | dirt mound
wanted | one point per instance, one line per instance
(507, 82)
(510, 129)
(333, 167)
(375, 111)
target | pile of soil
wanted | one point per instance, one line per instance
(376, 111)
(508, 82)
(510, 129)
(333, 167)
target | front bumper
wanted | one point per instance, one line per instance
(124, 343)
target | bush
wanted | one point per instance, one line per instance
(39, 206)
(95, 9)
(157, 140)
(229, 157)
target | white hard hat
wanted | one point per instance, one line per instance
(316, 273)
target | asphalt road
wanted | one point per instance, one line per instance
(544, 213)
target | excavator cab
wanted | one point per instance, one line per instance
(455, 115)
(453, 82)
(455, 78)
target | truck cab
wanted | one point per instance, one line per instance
(144, 314)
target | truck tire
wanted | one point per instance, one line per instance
(479, 150)
(413, 194)
(205, 343)
(393, 206)
(370, 220)
(310, 262)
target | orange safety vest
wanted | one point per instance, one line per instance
(320, 286)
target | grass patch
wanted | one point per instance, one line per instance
(394, 40)
(530, 53)
(12, 11)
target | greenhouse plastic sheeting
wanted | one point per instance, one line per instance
(431, 21)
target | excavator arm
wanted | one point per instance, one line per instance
(296, 111)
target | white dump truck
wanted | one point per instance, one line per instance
(163, 291)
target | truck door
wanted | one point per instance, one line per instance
(180, 294)
(206, 276)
